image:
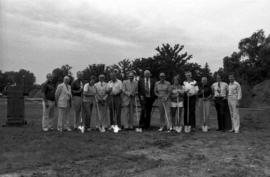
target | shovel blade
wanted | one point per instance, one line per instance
(205, 128)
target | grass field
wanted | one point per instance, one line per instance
(26, 151)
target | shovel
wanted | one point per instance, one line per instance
(98, 112)
(178, 128)
(187, 127)
(137, 117)
(115, 127)
(166, 115)
(204, 127)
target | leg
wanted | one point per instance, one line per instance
(118, 110)
(87, 117)
(185, 111)
(126, 116)
(51, 115)
(230, 103)
(192, 115)
(111, 110)
(207, 111)
(142, 122)
(217, 106)
(200, 111)
(45, 116)
(60, 118)
(222, 114)
(162, 115)
(180, 116)
(149, 105)
(235, 115)
(77, 103)
(131, 115)
(173, 115)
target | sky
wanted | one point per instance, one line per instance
(40, 35)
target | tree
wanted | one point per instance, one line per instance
(23, 78)
(170, 59)
(60, 73)
(251, 64)
(93, 70)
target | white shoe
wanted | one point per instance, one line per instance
(204, 128)
(102, 130)
(160, 129)
(69, 129)
(45, 129)
(82, 129)
(170, 130)
(138, 130)
(178, 129)
(236, 131)
(116, 129)
(111, 127)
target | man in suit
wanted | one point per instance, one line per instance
(147, 97)
(48, 104)
(128, 100)
(234, 97)
(220, 91)
(63, 102)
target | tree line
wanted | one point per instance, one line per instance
(250, 65)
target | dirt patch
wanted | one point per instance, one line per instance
(26, 151)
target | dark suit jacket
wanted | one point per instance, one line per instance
(141, 88)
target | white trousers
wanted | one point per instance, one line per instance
(63, 118)
(234, 110)
(48, 115)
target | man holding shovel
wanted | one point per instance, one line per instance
(203, 104)
(130, 87)
(101, 97)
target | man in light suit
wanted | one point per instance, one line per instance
(234, 97)
(63, 102)
(147, 98)
(130, 87)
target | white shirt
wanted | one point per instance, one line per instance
(220, 89)
(191, 87)
(88, 89)
(101, 88)
(116, 86)
(235, 91)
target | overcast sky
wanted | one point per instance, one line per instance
(40, 35)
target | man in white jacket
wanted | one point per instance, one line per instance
(63, 102)
(234, 96)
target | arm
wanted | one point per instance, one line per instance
(169, 91)
(156, 90)
(125, 91)
(239, 91)
(57, 94)
(43, 91)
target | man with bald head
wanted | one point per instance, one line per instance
(63, 102)
(147, 97)
(48, 90)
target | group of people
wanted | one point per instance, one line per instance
(129, 96)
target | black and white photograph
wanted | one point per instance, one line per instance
(134, 88)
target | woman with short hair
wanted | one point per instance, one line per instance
(177, 92)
